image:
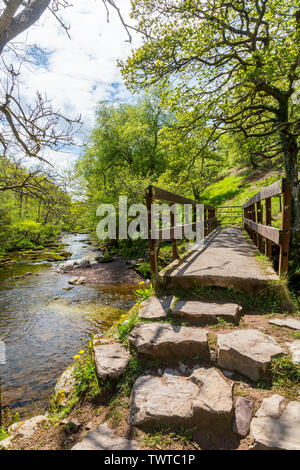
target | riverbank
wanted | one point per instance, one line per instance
(44, 320)
(88, 402)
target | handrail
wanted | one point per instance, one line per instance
(259, 207)
(155, 235)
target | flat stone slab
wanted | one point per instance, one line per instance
(156, 308)
(295, 350)
(169, 341)
(227, 259)
(104, 438)
(23, 429)
(111, 359)
(248, 352)
(206, 312)
(292, 323)
(275, 429)
(203, 399)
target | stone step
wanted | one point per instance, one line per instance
(104, 438)
(203, 400)
(276, 425)
(165, 340)
(292, 323)
(247, 351)
(111, 358)
(198, 312)
(156, 308)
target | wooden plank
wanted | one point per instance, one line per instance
(259, 221)
(174, 241)
(178, 231)
(152, 245)
(273, 190)
(271, 233)
(268, 215)
(167, 196)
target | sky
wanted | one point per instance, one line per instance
(76, 74)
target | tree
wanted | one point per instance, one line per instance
(231, 64)
(28, 130)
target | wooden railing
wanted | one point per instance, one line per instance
(172, 233)
(258, 221)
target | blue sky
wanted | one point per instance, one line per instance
(76, 74)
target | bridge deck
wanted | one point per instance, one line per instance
(227, 259)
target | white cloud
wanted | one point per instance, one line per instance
(81, 71)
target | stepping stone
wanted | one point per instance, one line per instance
(273, 431)
(111, 359)
(169, 341)
(203, 400)
(243, 415)
(104, 438)
(196, 311)
(288, 323)
(156, 308)
(295, 350)
(248, 352)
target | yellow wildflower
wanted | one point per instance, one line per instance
(82, 351)
(142, 282)
(77, 356)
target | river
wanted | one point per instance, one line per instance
(44, 326)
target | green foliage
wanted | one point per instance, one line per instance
(285, 373)
(126, 326)
(132, 372)
(87, 383)
(3, 434)
(144, 292)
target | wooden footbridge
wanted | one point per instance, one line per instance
(226, 257)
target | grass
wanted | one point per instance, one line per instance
(284, 378)
(163, 436)
(3, 434)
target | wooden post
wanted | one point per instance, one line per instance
(259, 221)
(152, 244)
(174, 241)
(285, 225)
(268, 248)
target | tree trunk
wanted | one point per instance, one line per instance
(291, 173)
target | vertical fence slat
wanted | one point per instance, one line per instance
(285, 225)
(268, 215)
(152, 244)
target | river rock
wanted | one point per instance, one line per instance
(156, 308)
(271, 407)
(23, 429)
(111, 358)
(64, 386)
(295, 350)
(104, 438)
(292, 323)
(273, 431)
(169, 341)
(196, 311)
(204, 399)
(243, 414)
(248, 352)
(77, 281)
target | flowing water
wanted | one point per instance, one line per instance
(43, 325)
